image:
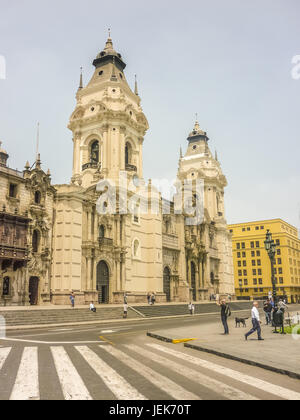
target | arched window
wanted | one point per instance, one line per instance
(37, 197)
(6, 286)
(95, 152)
(35, 241)
(102, 232)
(128, 153)
(136, 248)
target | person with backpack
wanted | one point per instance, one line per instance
(225, 314)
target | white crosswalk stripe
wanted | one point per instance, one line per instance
(279, 391)
(118, 385)
(216, 386)
(27, 383)
(173, 389)
(154, 364)
(71, 383)
(3, 355)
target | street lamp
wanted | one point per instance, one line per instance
(271, 250)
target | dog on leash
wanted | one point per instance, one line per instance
(239, 321)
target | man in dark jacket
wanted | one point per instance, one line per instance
(268, 311)
(225, 313)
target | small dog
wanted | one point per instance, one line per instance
(239, 321)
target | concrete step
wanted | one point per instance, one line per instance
(173, 310)
(57, 316)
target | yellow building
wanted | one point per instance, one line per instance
(252, 268)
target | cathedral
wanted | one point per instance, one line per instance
(108, 232)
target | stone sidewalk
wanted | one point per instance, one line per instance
(278, 353)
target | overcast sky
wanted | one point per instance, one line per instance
(229, 61)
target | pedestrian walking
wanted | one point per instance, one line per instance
(92, 307)
(149, 298)
(125, 311)
(268, 308)
(72, 299)
(125, 299)
(153, 298)
(256, 322)
(225, 313)
(191, 306)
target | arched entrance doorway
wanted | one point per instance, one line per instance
(167, 283)
(33, 290)
(193, 280)
(103, 282)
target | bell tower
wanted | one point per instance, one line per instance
(108, 123)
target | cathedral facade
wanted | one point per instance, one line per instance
(108, 232)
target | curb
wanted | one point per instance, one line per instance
(169, 340)
(289, 373)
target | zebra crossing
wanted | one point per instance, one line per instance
(129, 372)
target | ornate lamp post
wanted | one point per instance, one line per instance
(271, 250)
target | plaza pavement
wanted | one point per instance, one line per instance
(278, 353)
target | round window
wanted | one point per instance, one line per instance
(100, 73)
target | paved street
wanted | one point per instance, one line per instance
(117, 361)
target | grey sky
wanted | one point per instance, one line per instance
(229, 61)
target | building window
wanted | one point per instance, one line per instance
(240, 273)
(278, 251)
(243, 245)
(281, 280)
(258, 262)
(239, 255)
(102, 232)
(37, 197)
(259, 272)
(6, 286)
(252, 253)
(245, 272)
(239, 263)
(258, 253)
(279, 261)
(35, 241)
(253, 263)
(95, 152)
(136, 248)
(244, 254)
(254, 272)
(257, 244)
(255, 282)
(238, 246)
(245, 282)
(260, 281)
(244, 263)
(128, 154)
(277, 241)
(12, 190)
(252, 244)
